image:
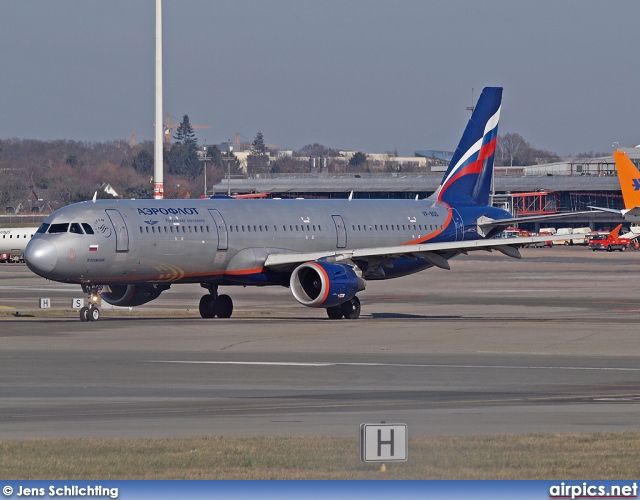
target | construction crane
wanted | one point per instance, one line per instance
(168, 127)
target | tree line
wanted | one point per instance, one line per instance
(61, 172)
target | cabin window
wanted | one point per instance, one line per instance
(275, 228)
(254, 228)
(314, 227)
(58, 228)
(290, 227)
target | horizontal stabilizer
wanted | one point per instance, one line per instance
(485, 224)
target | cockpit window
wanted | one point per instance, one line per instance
(58, 228)
(75, 228)
(43, 228)
(87, 228)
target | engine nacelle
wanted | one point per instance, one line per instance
(324, 284)
(132, 295)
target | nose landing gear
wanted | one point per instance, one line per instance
(91, 313)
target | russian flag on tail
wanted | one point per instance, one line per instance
(468, 178)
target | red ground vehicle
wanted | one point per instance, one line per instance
(608, 241)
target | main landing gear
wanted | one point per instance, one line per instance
(348, 310)
(91, 313)
(213, 305)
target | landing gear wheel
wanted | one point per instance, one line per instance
(335, 312)
(224, 306)
(94, 314)
(351, 308)
(84, 314)
(207, 306)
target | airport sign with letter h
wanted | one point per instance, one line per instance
(383, 442)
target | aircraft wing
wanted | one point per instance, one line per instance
(610, 210)
(427, 251)
(631, 215)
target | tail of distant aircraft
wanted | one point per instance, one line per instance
(615, 232)
(468, 178)
(629, 180)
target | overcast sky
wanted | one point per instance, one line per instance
(369, 75)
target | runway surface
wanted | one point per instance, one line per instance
(495, 346)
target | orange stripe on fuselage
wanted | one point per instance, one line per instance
(168, 278)
(430, 236)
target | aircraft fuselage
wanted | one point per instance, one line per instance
(226, 241)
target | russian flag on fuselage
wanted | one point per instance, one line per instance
(468, 178)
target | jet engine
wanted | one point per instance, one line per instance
(324, 284)
(132, 295)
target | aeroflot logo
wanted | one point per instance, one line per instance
(636, 184)
(168, 211)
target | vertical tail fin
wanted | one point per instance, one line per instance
(629, 180)
(615, 232)
(468, 178)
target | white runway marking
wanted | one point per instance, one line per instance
(396, 365)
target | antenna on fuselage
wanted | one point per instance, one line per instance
(351, 196)
(95, 196)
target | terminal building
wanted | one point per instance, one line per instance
(567, 186)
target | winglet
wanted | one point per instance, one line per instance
(629, 179)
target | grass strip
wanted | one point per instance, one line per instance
(534, 456)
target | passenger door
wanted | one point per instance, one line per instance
(221, 227)
(341, 231)
(122, 235)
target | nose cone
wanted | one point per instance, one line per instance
(41, 256)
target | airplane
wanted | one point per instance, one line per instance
(130, 251)
(13, 241)
(630, 185)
